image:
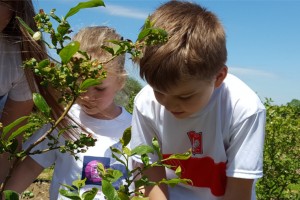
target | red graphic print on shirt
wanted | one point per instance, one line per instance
(196, 141)
(203, 172)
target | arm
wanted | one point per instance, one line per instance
(157, 192)
(15, 109)
(24, 175)
(12, 111)
(237, 188)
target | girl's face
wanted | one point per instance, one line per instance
(98, 101)
(6, 14)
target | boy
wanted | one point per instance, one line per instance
(192, 103)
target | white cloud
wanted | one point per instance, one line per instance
(251, 72)
(125, 12)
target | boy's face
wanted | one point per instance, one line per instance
(186, 98)
(98, 101)
(189, 95)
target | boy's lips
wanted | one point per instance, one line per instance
(176, 113)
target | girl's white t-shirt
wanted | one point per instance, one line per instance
(67, 169)
(13, 81)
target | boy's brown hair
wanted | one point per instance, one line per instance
(196, 47)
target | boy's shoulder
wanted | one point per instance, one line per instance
(239, 96)
(145, 95)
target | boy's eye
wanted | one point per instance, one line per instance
(184, 97)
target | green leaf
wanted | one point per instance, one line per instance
(142, 149)
(82, 5)
(41, 104)
(68, 186)
(63, 28)
(88, 83)
(21, 130)
(25, 25)
(183, 156)
(123, 196)
(178, 171)
(79, 183)
(156, 147)
(109, 191)
(7, 128)
(90, 194)
(143, 34)
(11, 195)
(139, 198)
(126, 137)
(145, 159)
(68, 51)
(175, 181)
(44, 63)
(69, 194)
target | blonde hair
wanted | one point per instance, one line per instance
(196, 47)
(92, 39)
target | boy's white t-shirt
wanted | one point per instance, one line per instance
(67, 169)
(13, 81)
(226, 138)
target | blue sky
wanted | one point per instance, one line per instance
(263, 37)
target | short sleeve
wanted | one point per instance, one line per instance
(245, 150)
(142, 133)
(20, 90)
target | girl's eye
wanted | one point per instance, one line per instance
(100, 89)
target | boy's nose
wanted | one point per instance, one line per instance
(170, 104)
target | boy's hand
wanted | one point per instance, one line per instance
(237, 189)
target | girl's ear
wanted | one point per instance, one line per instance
(221, 75)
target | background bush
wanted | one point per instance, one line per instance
(281, 178)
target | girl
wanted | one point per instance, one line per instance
(97, 113)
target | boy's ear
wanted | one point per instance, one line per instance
(221, 75)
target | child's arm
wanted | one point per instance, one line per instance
(24, 175)
(237, 188)
(157, 192)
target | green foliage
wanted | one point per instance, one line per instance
(69, 78)
(73, 192)
(281, 154)
(295, 103)
(133, 176)
(126, 96)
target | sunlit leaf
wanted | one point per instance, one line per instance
(82, 5)
(68, 51)
(126, 137)
(175, 181)
(21, 130)
(25, 25)
(109, 191)
(88, 83)
(69, 194)
(142, 149)
(90, 194)
(41, 104)
(7, 128)
(11, 195)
